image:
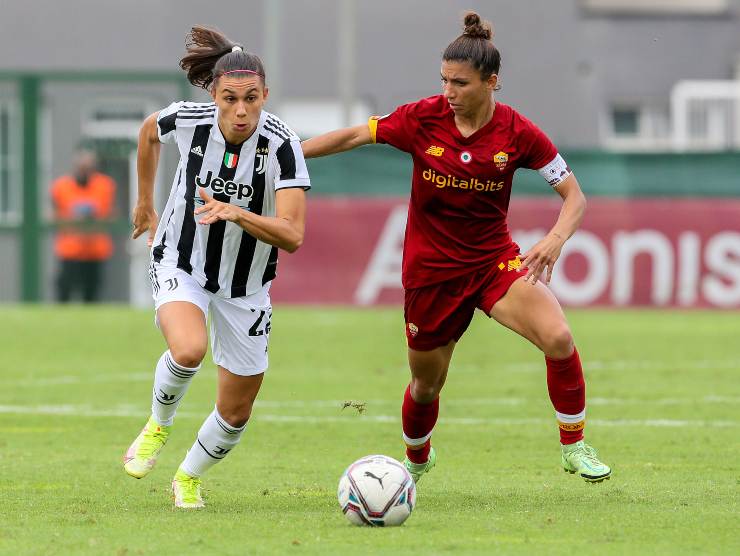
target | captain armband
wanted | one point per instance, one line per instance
(372, 125)
(556, 171)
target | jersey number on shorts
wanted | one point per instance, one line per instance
(255, 330)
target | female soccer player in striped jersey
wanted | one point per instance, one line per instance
(238, 195)
(458, 252)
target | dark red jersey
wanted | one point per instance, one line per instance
(461, 185)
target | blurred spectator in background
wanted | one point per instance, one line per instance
(81, 202)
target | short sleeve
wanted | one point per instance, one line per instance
(539, 150)
(166, 122)
(291, 168)
(396, 129)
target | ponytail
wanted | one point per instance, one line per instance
(210, 54)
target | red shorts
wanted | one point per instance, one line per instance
(442, 312)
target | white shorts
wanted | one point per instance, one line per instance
(240, 326)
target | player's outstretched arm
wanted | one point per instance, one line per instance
(337, 141)
(547, 251)
(144, 216)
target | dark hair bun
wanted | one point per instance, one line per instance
(475, 28)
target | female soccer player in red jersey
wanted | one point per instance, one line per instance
(458, 252)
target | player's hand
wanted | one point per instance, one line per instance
(214, 210)
(542, 256)
(144, 218)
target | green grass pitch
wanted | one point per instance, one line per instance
(663, 390)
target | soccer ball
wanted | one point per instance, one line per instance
(377, 491)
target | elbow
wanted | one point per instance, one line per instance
(576, 199)
(294, 243)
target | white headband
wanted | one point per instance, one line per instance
(236, 47)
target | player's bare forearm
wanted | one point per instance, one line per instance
(273, 230)
(542, 257)
(147, 159)
(284, 230)
(336, 141)
(572, 211)
(144, 216)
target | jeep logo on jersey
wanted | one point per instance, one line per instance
(238, 190)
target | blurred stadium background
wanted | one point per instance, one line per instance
(642, 97)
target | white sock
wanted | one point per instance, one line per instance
(171, 381)
(216, 438)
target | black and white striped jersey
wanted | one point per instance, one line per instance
(222, 257)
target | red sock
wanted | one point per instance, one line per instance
(568, 395)
(418, 421)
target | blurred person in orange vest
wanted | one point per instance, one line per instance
(81, 202)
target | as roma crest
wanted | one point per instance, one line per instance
(500, 159)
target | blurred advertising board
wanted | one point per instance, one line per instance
(682, 253)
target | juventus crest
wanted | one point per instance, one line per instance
(260, 160)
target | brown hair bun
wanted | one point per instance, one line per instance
(475, 28)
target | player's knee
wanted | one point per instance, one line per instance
(236, 416)
(188, 355)
(425, 391)
(558, 342)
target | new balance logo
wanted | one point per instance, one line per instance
(435, 151)
(197, 150)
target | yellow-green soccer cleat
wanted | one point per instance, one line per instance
(142, 454)
(582, 459)
(416, 470)
(186, 490)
